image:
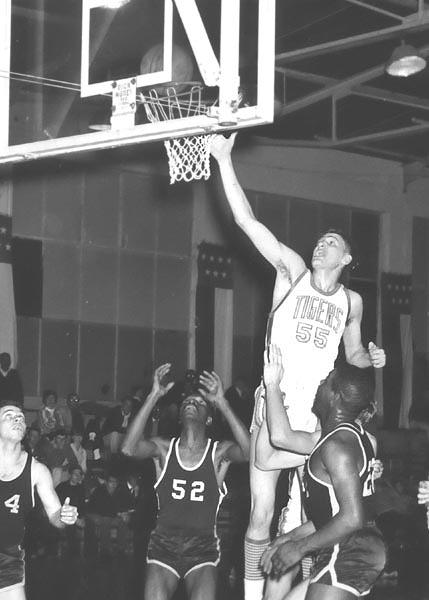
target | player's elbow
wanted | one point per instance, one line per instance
(354, 520)
(278, 440)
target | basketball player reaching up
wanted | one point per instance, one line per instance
(190, 487)
(311, 312)
(20, 475)
(349, 550)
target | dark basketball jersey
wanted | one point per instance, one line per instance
(320, 500)
(16, 501)
(189, 497)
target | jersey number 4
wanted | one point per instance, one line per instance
(13, 503)
(180, 486)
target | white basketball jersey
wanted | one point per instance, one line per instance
(307, 325)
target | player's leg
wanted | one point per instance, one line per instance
(321, 591)
(299, 591)
(201, 583)
(262, 490)
(160, 584)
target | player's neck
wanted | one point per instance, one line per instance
(193, 437)
(333, 420)
(10, 451)
(326, 280)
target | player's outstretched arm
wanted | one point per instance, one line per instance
(356, 354)
(280, 431)
(134, 443)
(283, 259)
(268, 458)
(58, 515)
(212, 390)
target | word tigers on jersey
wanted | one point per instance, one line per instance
(314, 308)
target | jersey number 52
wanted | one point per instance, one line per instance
(180, 487)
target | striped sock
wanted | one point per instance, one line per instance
(306, 565)
(254, 579)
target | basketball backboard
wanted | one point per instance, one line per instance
(61, 63)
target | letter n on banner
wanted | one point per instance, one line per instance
(7, 299)
(214, 310)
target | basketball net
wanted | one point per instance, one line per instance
(188, 157)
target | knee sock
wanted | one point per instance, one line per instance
(253, 576)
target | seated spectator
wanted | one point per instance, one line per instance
(110, 522)
(10, 381)
(105, 500)
(93, 442)
(49, 418)
(59, 457)
(78, 450)
(72, 415)
(116, 425)
(33, 442)
(74, 490)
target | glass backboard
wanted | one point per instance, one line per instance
(60, 62)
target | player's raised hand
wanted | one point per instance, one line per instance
(68, 513)
(158, 387)
(273, 365)
(377, 356)
(212, 388)
(221, 146)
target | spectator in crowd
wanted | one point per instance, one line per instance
(32, 442)
(72, 415)
(78, 450)
(108, 518)
(49, 418)
(116, 425)
(73, 489)
(10, 381)
(59, 457)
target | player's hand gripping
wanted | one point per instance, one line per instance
(221, 147)
(68, 514)
(158, 387)
(212, 389)
(287, 555)
(377, 356)
(273, 366)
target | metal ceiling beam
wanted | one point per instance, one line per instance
(418, 127)
(414, 23)
(339, 88)
(366, 91)
(376, 9)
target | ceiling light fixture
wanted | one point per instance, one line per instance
(405, 61)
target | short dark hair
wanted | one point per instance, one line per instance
(343, 236)
(355, 386)
(8, 402)
(48, 393)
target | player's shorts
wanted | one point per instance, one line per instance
(181, 553)
(298, 408)
(352, 565)
(12, 571)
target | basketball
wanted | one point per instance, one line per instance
(182, 65)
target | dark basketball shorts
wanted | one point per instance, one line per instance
(180, 553)
(12, 572)
(352, 565)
